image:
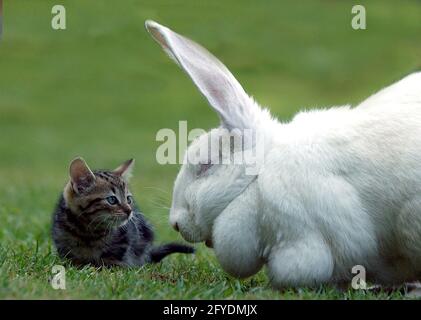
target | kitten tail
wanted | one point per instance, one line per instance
(160, 252)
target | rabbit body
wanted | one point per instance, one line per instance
(335, 188)
(338, 188)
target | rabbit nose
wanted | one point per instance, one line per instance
(175, 226)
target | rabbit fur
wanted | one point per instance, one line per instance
(334, 188)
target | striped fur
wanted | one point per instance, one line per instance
(87, 229)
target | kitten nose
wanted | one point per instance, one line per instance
(127, 210)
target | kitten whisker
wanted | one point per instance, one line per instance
(158, 189)
(156, 206)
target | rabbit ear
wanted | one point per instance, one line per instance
(226, 96)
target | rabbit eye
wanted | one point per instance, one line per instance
(203, 168)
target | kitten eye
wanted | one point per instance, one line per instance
(112, 200)
(129, 199)
(203, 168)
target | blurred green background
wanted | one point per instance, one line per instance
(103, 88)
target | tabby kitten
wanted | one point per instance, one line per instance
(97, 222)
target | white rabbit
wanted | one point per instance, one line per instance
(335, 188)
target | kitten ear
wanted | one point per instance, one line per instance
(125, 170)
(81, 176)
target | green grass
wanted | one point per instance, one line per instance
(102, 89)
